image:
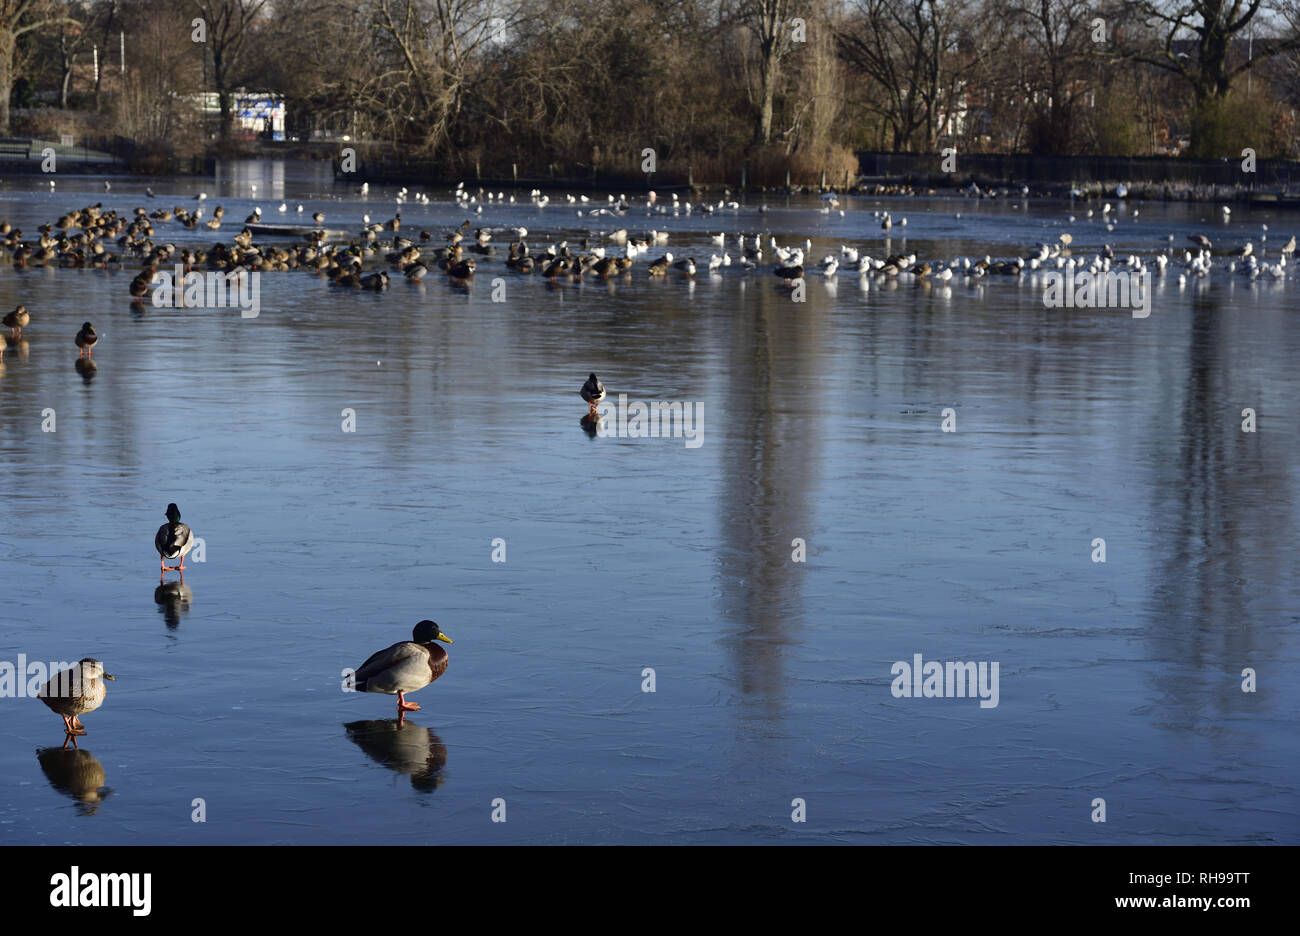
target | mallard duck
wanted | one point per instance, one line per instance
(140, 285)
(173, 540)
(462, 270)
(789, 273)
(593, 391)
(1200, 240)
(17, 320)
(406, 666)
(86, 339)
(75, 691)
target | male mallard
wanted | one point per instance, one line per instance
(406, 666)
(173, 540)
(75, 691)
(17, 320)
(462, 270)
(789, 273)
(140, 285)
(593, 391)
(86, 339)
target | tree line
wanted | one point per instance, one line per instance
(590, 85)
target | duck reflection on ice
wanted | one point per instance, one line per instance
(173, 600)
(75, 773)
(404, 747)
(591, 424)
(86, 368)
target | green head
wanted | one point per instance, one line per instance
(427, 632)
(173, 513)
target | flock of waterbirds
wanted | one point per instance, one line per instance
(370, 258)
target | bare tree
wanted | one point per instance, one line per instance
(913, 51)
(18, 17)
(427, 54)
(227, 24)
(1212, 26)
(1056, 39)
(764, 19)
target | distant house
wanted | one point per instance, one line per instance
(257, 115)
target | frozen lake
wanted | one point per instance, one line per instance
(822, 423)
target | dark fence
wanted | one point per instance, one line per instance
(1003, 167)
(149, 158)
(389, 168)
